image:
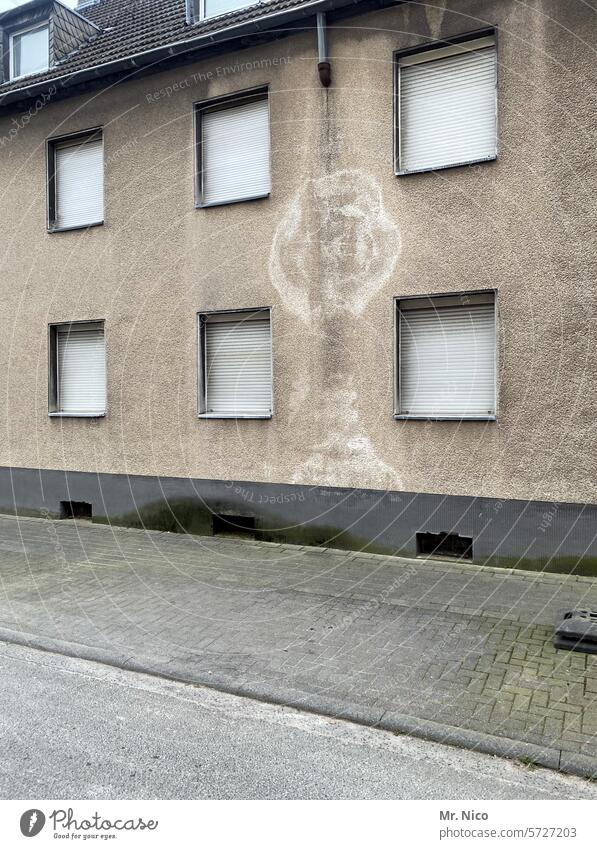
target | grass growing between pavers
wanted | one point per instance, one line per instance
(529, 763)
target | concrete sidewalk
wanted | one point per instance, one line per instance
(460, 654)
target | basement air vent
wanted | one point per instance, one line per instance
(75, 510)
(577, 631)
(445, 545)
(234, 526)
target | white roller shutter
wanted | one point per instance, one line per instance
(447, 112)
(238, 366)
(79, 184)
(81, 365)
(235, 151)
(447, 361)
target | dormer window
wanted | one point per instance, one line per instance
(38, 35)
(213, 8)
(199, 10)
(30, 51)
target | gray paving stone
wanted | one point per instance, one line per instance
(360, 635)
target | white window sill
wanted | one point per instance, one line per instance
(436, 418)
(59, 415)
(402, 173)
(234, 416)
(230, 201)
(56, 229)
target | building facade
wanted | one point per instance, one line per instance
(308, 271)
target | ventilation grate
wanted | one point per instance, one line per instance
(445, 545)
(577, 631)
(233, 526)
(75, 510)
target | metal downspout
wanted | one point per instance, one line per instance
(323, 67)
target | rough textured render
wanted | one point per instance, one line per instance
(338, 239)
(343, 214)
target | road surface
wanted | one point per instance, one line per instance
(72, 729)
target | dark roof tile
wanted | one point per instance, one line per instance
(131, 27)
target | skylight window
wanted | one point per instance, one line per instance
(29, 51)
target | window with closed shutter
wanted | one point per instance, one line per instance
(237, 364)
(234, 151)
(78, 199)
(447, 357)
(447, 110)
(80, 370)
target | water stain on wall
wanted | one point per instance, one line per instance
(347, 455)
(335, 247)
(435, 16)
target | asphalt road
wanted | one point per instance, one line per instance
(71, 729)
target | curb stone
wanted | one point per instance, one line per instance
(580, 765)
(336, 708)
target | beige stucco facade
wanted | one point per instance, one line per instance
(338, 239)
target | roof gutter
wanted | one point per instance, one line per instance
(136, 61)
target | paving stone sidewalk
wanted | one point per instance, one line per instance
(410, 644)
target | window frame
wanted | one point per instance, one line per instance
(11, 54)
(218, 104)
(52, 144)
(426, 47)
(204, 17)
(201, 360)
(397, 359)
(54, 411)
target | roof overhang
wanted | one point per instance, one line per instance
(274, 25)
(23, 9)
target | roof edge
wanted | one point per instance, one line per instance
(16, 11)
(146, 58)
